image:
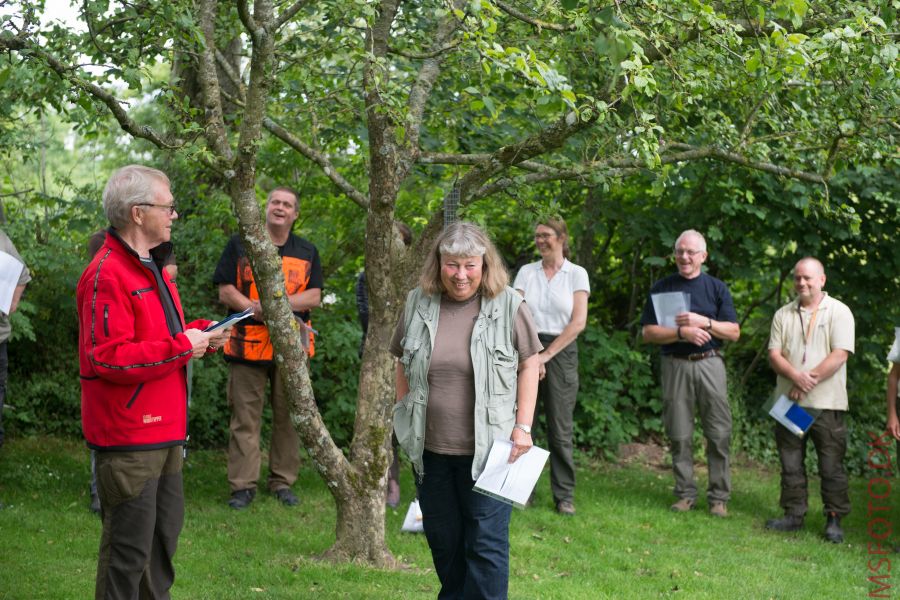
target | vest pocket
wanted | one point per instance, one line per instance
(502, 411)
(504, 370)
(409, 421)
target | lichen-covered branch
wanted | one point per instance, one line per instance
(319, 158)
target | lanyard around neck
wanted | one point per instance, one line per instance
(809, 331)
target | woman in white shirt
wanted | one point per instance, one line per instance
(556, 291)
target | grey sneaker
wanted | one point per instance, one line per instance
(241, 499)
(565, 508)
(683, 505)
(286, 496)
(718, 509)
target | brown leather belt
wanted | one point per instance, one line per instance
(697, 355)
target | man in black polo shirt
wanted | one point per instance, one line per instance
(693, 372)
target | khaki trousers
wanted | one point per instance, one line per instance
(246, 396)
(700, 384)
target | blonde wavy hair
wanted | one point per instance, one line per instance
(465, 240)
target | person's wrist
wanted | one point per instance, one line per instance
(678, 333)
(523, 428)
(709, 325)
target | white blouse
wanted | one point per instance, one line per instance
(551, 301)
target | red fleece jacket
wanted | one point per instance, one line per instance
(133, 370)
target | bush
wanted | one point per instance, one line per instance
(618, 399)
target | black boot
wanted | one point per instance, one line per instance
(833, 531)
(786, 523)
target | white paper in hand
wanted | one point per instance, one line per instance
(511, 483)
(669, 305)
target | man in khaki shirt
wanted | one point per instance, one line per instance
(811, 339)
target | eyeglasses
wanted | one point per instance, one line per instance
(544, 236)
(170, 208)
(685, 252)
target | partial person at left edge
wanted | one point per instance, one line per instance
(134, 353)
(6, 246)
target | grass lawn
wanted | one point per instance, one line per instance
(624, 542)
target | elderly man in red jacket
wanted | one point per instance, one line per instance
(134, 350)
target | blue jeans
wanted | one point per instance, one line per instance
(467, 532)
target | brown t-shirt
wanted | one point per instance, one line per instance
(450, 417)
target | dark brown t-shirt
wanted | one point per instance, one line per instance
(450, 417)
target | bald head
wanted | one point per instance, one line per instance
(693, 235)
(809, 281)
(810, 264)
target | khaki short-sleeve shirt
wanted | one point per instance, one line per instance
(832, 329)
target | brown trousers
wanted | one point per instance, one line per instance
(246, 397)
(142, 508)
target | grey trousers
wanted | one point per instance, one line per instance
(142, 508)
(557, 394)
(689, 385)
(829, 436)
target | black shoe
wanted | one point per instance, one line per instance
(833, 531)
(786, 523)
(286, 497)
(241, 499)
(95, 504)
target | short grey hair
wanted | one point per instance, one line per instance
(692, 232)
(127, 187)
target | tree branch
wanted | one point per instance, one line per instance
(247, 18)
(432, 54)
(428, 74)
(208, 78)
(320, 159)
(67, 73)
(531, 20)
(235, 78)
(289, 14)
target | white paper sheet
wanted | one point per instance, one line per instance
(511, 483)
(668, 305)
(10, 270)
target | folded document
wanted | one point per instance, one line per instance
(511, 483)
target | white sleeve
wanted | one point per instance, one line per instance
(580, 282)
(894, 354)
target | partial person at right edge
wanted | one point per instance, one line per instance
(250, 354)
(556, 291)
(692, 371)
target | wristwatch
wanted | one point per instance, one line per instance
(709, 325)
(523, 427)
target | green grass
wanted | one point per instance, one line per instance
(624, 543)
